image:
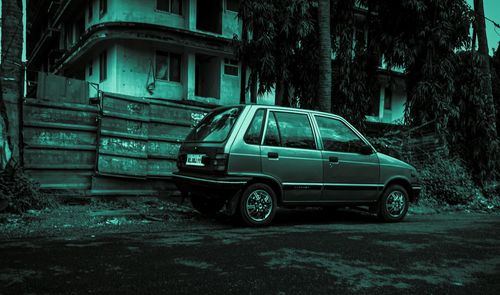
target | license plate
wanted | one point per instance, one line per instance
(194, 160)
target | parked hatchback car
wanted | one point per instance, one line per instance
(254, 158)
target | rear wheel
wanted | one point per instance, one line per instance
(258, 204)
(206, 206)
(393, 205)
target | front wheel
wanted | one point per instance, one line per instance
(393, 205)
(206, 206)
(258, 205)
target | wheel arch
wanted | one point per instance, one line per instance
(273, 183)
(405, 183)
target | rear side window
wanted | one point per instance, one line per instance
(337, 137)
(289, 130)
(216, 126)
(254, 131)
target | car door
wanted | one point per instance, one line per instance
(349, 172)
(289, 154)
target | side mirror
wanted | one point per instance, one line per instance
(366, 150)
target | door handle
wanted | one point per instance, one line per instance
(333, 159)
(272, 155)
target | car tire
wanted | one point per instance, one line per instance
(393, 205)
(206, 206)
(258, 205)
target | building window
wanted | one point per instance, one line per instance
(90, 10)
(388, 98)
(90, 66)
(233, 5)
(103, 7)
(375, 103)
(231, 67)
(168, 66)
(172, 6)
(68, 28)
(103, 66)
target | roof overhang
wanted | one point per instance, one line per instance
(105, 32)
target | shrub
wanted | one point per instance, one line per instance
(447, 181)
(20, 193)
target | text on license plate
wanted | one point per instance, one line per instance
(194, 160)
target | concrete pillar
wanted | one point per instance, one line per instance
(381, 103)
(191, 15)
(189, 84)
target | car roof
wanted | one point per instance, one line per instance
(255, 106)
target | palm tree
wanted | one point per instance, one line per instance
(482, 50)
(325, 61)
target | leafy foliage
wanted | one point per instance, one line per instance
(471, 135)
(421, 36)
(20, 192)
(279, 51)
(495, 82)
(447, 180)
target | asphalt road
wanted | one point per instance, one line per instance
(303, 252)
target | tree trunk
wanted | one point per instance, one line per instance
(243, 84)
(325, 61)
(253, 87)
(483, 52)
(11, 71)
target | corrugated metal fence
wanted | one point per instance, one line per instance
(123, 145)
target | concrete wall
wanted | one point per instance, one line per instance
(111, 83)
(131, 66)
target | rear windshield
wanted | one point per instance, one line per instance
(216, 126)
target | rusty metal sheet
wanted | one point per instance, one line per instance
(58, 159)
(124, 128)
(177, 115)
(61, 179)
(62, 89)
(50, 114)
(105, 184)
(125, 107)
(116, 165)
(167, 132)
(122, 147)
(162, 149)
(161, 168)
(51, 137)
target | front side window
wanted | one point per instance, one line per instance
(172, 6)
(168, 66)
(216, 126)
(289, 130)
(337, 137)
(254, 131)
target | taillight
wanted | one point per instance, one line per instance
(220, 162)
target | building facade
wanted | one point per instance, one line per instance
(171, 49)
(166, 49)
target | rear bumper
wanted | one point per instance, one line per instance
(210, 186)
(415, 191)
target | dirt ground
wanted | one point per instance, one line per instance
(143, 214)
